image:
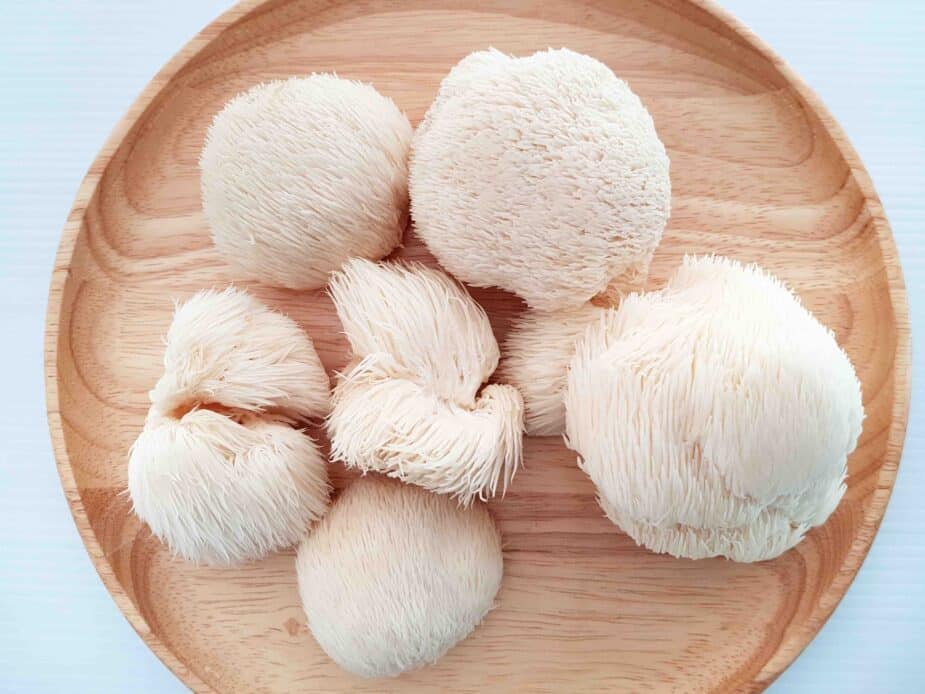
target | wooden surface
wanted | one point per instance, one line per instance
(760, 172)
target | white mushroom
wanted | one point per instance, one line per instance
(223, 491)
(540, 175)
(392, 424)
(715, 416)
(226, 347)
(219, 473)
(538, 350)
(409, 404)
(425, 321)
(298, 175)
(393, 577)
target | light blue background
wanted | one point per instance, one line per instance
(68, 71)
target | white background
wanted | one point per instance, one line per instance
(68, 71)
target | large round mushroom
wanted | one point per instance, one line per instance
(299, 175)
(541, 175)
(393, 576)
(714, 416)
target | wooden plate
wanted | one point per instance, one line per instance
(760, 172)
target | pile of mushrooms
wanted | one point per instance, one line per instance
(714, 415)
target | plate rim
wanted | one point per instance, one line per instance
(792, 645)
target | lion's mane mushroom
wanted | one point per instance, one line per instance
(227, 348)
(540, 175)
(393, 576)
(537, 352)
(714, 416)
(409, 404)
(218, 472)
(298, 175)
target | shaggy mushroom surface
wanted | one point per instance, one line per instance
(541, 175)
(220, 472)
(300, 174)
(714, 416)
(393, 576)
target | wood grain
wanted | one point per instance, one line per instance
(760, 172)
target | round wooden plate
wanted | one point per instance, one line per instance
(760, 172)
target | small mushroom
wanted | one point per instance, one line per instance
(541, 175)
(538, 350)
(219, 473)
(393, 576)
(226, 347)
(300, 174)
(714, 416)
(409, 405)
(223, 490)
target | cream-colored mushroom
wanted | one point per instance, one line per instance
(299, 175)
(226, 347)
(714, 416)
(410, 404)
(219, 473)
(537, 352)
(541, 175)
(393, 576)
(221, 490)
